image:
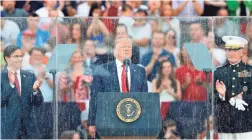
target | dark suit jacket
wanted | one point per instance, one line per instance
(106, 80)
(14, 107)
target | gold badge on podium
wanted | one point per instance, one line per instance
(128, 110)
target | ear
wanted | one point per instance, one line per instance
(7, 58)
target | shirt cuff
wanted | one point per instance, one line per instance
(35, 92)
(12, 85)
(222, 98)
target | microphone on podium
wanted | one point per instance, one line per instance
(127, 63)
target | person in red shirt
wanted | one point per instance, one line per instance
(192, 81)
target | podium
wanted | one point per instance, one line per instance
(128, 115)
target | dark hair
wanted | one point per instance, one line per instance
(175, 34)
(142, 11)
(126, 7)
(121, 25)
(33, 14)
(82, 29)
(42, 50)
(168, 123)
(203, 25)
(93, 7)
(171, 76)
(9, 50)
(68, 134)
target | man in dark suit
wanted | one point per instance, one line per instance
(19, 94)
(112, 77)
(233, 88)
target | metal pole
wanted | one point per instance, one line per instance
(207, 102)
(54, 108)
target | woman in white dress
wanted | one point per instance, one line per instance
(166, 84)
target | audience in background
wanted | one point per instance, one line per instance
(154, 8)
(151, 60)
(74, 83)
(171, 46)
(9, 31)
(126, 16)
(76, 32)
(48, 6)
(11, 11)
(224, 25)
(170, 130)
(196, 32)
(141, 32)
(28, 41)
(169, 22)
(38, 62)
(97, 30)
(69, 8)
(192, 81)
(213, 134)
(83, 127)
(247, 58)
(85, 5)
(218, 54)
(32, 24)
(70, 135)
(212, 7)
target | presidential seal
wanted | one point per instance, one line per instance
(128, 110)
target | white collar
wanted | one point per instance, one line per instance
(235, 63)
(118, 63)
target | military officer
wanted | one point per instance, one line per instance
(233, 93)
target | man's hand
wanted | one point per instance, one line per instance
(155, 56)
(11, 76)
(37, 84)
(163, 58)
(92, 131)
(221, 88)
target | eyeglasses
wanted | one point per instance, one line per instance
(172, 37)
(17, 56)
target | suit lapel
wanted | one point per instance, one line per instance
(114, 77)
(23, 82)
(132, 79)
(5, 72)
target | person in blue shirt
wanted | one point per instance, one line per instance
(41, 35)
(151, 60)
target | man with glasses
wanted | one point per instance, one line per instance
(20, 95)
(112, 77)
(233, 93)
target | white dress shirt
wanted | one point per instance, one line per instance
(119, 73)
(19, 79)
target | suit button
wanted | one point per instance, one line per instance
(233, 70)
(233, 93)
(233, 78)
(245, 82)
(233, 86)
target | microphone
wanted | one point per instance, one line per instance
(127, 63)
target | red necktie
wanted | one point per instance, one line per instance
(17, 84)
(124, 79)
